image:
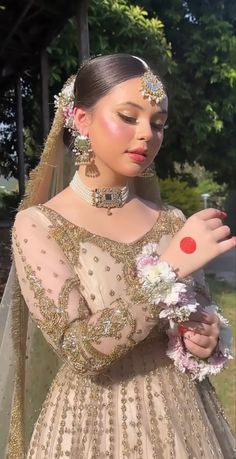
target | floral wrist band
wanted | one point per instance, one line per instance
(196, 367)
(161, 286)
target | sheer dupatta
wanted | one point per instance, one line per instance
(19, 337)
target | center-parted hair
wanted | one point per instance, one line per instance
(99, 75)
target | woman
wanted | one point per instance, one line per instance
(117, 394)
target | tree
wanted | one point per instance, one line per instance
(203, 181)
(202, 86)
(179, 194)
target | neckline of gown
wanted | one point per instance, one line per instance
(162, 210)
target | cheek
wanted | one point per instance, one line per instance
(157, 141)
(116, 129)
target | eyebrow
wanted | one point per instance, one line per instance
(133, 104)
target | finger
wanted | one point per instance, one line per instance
(204, 329)
(199, 351)
(214, 223)
(198, 328)
(203, 317)
(207, 342)
(221, 233)
(207, 214)
(228, 244)
(182, 329)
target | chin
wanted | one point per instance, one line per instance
(134, 172)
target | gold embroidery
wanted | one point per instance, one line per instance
(63, 298)
(81, 338)
(79, 408)
(16, 441)
(55, 317)
(69, 237)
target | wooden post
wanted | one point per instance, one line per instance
(20, 138)
(83, 30)
(45, 94)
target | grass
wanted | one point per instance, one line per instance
(225, 382)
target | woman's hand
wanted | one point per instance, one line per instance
(207, 236)
(202, 335)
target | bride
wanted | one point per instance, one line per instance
(127, 383)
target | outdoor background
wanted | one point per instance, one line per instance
(192, 44)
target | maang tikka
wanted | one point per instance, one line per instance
(152, 87)
(153, 90)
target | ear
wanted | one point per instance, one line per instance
(82, 120)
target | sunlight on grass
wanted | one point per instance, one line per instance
(225, 382)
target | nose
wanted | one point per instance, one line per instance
(145, 131)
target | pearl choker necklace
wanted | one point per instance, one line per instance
(100, 197)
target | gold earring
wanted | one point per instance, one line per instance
(82, 149)
(91, 169)
(150, 171)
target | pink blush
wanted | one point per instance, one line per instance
(117, 129)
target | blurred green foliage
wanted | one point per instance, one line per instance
(9, 201)
(180, 195)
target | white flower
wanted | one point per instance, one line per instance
(225, 337)
(159, 272)
(68, 90)
(150, 249)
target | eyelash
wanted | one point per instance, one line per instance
(132, 120)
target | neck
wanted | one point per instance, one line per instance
(105, 180)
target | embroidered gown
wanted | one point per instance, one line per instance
(116, 394)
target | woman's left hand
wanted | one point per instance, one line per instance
(202, 335)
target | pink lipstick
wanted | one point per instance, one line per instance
(138, 154)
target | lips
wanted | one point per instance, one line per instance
(138, 151)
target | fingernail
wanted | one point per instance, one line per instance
(182, 329)
(223, 215)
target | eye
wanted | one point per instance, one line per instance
(127, 118)
(159, 127)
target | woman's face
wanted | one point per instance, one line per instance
(126, 130)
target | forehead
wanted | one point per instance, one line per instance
(130, 91)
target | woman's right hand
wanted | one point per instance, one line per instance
(206, 230)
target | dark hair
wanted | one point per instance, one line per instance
(98, 76)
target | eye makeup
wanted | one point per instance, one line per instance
(133, 120)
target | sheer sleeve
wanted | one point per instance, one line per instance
(51, 288)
